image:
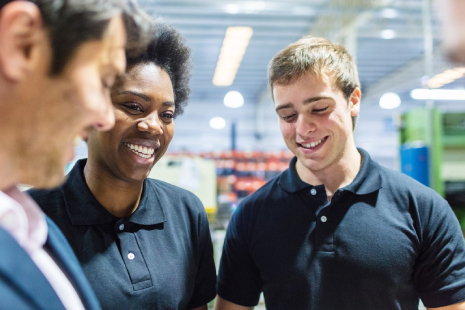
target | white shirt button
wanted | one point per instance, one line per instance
(313, 191)
(323, 219)
(121, 227)
(131, 256)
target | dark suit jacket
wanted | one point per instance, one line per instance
(22, 284)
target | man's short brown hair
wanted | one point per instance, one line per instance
(71, 23)
(317, 56)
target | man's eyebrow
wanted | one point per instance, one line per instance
(317, 98)
(284, 106)
(134, 93)
(305, 102)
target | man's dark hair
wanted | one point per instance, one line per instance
(168, 50)
(73, 22)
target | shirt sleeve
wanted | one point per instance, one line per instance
(239, 278)
(205, 280)
(439, 272)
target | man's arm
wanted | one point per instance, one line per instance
(223, 304)
(459, 306)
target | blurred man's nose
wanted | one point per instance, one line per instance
(106, 117)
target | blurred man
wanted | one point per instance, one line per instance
(452, 15)
(336, 230)
(58, 60)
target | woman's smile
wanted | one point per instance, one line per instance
(140, 150)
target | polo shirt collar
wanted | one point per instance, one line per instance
(367, 180)
(290, 180)
(84, 209)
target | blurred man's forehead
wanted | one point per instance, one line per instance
(115, 34)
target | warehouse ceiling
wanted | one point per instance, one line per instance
(386, 36)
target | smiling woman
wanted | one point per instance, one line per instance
(143, 243)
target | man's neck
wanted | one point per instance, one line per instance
(118, 197)
(8, 174)
(338, 175)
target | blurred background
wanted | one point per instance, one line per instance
(228, 143)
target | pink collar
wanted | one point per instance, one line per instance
(23, 219)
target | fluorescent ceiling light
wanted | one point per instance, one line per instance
(438, 94)
(446, 77)
(389, 101)
(234, 46)
(232, 8)
(217, 123)
(388, 34)
(389, 13)
(233, 99)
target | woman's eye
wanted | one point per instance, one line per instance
(133, 106)
(168, 115)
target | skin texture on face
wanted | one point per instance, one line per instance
(452, 14)
(315, 121)
(49, 113)
(144, 109)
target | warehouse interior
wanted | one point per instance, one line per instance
(223, 154)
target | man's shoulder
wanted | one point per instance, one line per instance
(269, 191)
(21, 282)
(266, 196)
(399, 182)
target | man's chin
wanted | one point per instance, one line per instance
(46, 180)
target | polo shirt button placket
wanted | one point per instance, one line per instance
(313, 191)
(133, 259)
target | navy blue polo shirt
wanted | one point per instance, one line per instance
(383, 242)
(160, 257)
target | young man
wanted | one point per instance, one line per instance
(57, 62)
(336, 230)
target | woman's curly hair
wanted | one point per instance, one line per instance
(169, 51)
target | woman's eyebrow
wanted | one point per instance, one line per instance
(130, 92)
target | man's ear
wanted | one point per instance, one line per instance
(20, 34)
(354, 102)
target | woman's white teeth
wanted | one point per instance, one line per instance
(142, 151)
(312, 144)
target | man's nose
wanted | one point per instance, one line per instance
(305, 125)
(106, 119)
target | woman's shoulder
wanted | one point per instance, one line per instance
(46, 197)
(171, 192)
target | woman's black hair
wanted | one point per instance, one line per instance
(168, 50)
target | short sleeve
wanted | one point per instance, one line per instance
(239, 278)
(439, 273)
(205, 280)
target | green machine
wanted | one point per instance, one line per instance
(444, 135)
